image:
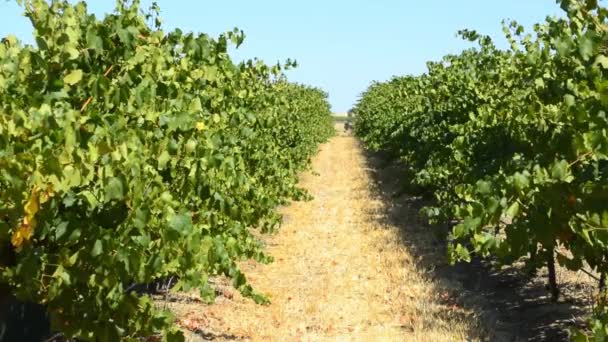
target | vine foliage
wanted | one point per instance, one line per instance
(130, 154)
(512, 143)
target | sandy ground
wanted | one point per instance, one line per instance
(341, 272)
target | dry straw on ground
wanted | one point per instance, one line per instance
(341, 272)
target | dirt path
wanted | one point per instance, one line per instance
(340, 272)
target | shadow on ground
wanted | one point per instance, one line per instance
(510, 305)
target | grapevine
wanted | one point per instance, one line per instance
(129, 154)
(512, 143)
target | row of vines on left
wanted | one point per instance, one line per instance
(130, 154)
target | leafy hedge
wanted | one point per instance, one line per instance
(512, 143)
(129, 154)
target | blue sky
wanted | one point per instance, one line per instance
(341, 46)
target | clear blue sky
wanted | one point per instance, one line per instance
(341, 46)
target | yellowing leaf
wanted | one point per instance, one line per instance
(23, 233)
(25, 230)
(33, 204)
(200, 126)
(47, 194)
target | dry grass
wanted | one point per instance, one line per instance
(341, 272)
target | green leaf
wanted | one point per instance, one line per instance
(60, 230)
(195, 105)
(61, 273)
(94, 41)
(484, 187)
(75, 234)
(569, 100)
(462, 253)
(539, 82)
(124, 36)
(73, 258)
(596, 141)
(513, 210)
(163, 159)
(72, 52)
(586, 46)
(471, 224)
(459, 231)
(210, 73)
(584, 233)
(521, 181)
(561, 171)
(181, 223)
(90, 199)
(602, 61)
(115, 189)
(97, 248)
(73, 77)
(72, 177)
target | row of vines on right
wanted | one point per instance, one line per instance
(512, 144)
